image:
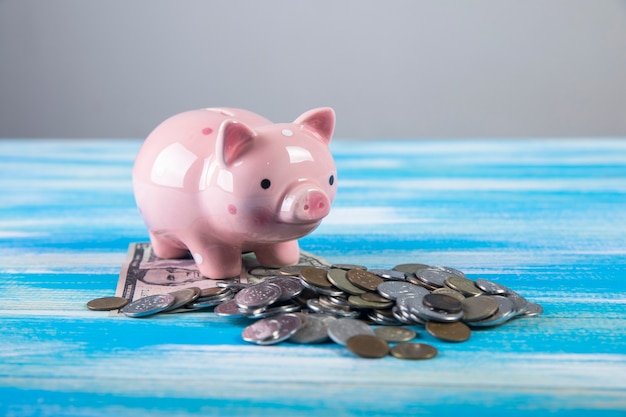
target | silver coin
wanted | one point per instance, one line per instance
(390, 274)
(415, 319)
(261, 330)
(225, 293)
(334, 303)
(289, 324)
(416, 306)
(258, 295)
(315, 330)
(450, 292)
(326, 318)
(180, 310)
(274, 311)
(343, 329)
(394, 289)
(406, 317)
(149, 305)
(228, 309)
(403, 317)
(332, 291)
(505, 312)
(532, 310)
(216, 294)
(252, 312)
(315, 305)
(303, 317)
(381, 319)
(412, 279)
(491, 287)
(451, 271)
(402, 302)
(434, 277)
(337, 301)
(290, 286)
(207, 302)
(235, 286)
(519, 302)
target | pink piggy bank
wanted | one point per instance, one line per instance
(220, 181)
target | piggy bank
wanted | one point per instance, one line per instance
(217, 182)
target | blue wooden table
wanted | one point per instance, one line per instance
(546, 218)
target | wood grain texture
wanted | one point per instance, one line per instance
(544, 217)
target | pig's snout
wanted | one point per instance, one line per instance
(304, 205)
(315, 205)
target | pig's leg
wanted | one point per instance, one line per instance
(278, 254)
(216, 261)
(165, 248)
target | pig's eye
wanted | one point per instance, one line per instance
(265, 183)
(331, 180)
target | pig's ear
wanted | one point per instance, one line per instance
(233, 139)
(320, 121)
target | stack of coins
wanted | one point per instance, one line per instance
(367, 311)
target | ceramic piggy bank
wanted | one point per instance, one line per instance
(217, 182)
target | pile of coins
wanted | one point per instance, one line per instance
(364, 310)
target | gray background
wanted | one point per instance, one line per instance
(391, 69)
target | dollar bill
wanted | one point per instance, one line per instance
(144, 274)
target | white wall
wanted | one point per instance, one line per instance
(501, 68)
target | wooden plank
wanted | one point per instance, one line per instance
(544, 217)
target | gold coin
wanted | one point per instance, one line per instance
(293, 270)
(208, 292)
(315, 276)
(412, 279)
(449, 332)
(338, 278)
(359, 302)
(465, 286)
(395, 333)
(442, 302)
(363, 279)
(478, 308)
(184, 297)
(107, 303)
(348, 267)
(368, 346)
(374, 297)
(409, 267)
(386, 312)
(450, 292)
(409, 350)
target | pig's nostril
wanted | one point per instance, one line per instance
(320, 205)
(306, 207)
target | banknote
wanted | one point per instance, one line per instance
(144, 274)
